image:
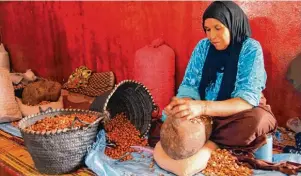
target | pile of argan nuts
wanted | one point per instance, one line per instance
(222, 163)
(62, 121)
(121, 132)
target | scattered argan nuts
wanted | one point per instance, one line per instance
(121, 132)
(222, 163)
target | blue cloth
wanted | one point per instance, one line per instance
(250, 80)
(7, 127)
(102, 165)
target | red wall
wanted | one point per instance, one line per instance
(53, 38)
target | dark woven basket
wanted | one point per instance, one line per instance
(135, 100)
(59, 151)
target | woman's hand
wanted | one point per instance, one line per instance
(185, 108)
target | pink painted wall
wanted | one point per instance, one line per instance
(53, 38)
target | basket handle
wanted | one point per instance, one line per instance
(48, 109)
(81, 121)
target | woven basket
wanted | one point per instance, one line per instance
(135, 100)
(59, 151)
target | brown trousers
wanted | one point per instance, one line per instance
(246, 130)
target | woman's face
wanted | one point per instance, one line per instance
(217, 33)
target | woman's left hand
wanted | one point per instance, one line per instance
(185, 108)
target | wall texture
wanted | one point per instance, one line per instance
(53, 38)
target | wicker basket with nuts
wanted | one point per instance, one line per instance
(57, 139)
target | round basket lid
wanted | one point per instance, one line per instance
(133, 99)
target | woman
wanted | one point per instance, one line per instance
(224, 79)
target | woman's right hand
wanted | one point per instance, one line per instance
(184, 108)
(169, 107)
